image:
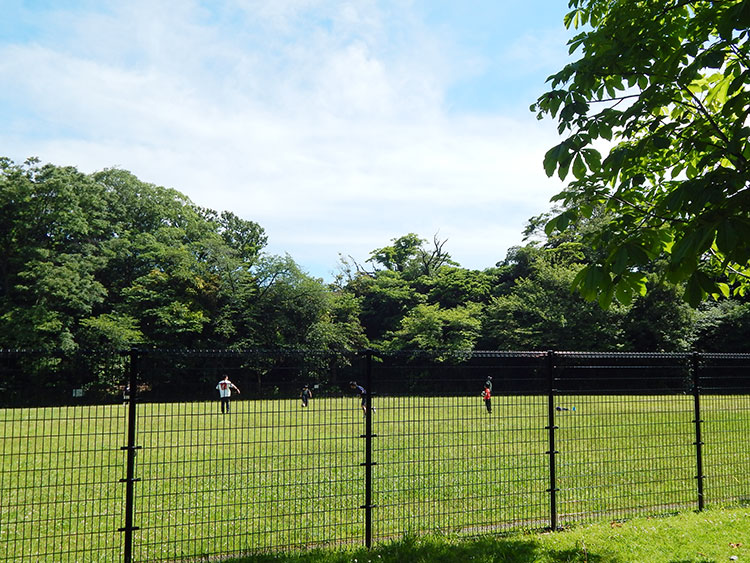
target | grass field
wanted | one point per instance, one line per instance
(705, 537)
(271, 475)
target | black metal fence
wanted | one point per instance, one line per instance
(156, 472)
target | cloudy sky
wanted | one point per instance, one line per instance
(337, 125)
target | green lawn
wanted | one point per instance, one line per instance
(708, 537)
(272, 475)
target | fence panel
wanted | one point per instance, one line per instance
(446, 461)
(268, 474)
(567, 438)
(725, 401)
(626, 446)
(60, 470)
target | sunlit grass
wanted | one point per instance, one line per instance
(272, 475)
(706, 537)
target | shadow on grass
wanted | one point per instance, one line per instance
(441, 550)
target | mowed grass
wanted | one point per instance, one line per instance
(706, 537)
(272, 475)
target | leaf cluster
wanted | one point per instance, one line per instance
(655, 116)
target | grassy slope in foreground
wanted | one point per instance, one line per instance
(712, 536)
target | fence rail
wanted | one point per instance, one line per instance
(157, 472)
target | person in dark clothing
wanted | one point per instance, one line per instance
(362, 395)
(306, 395)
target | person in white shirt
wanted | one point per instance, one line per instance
(225, 392)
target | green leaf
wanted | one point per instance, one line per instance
(638, 255)
(594, 280)
(605, 298)
(579, 168)
(552, 157)
(577, 282)
(718, 93)
(563, 220)
(550, 227)
(727, 237)
(624, 293)
(620, 261)
(636, 281)
(714, 59)
(723, 288)
(593, 159)
(692, 245)
(562, 171)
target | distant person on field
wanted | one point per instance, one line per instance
(487, 396)
(225, 392)
(306, 395)
(362, 395)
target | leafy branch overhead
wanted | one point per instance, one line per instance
(656, 131)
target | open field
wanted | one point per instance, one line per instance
(272, 475)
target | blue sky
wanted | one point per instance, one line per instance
(336, 125)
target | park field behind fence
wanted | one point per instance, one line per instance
(128, 456)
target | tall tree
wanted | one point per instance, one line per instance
(666, 87)
(385, 298)
(409, 256)
(539, 312)
(52, 222)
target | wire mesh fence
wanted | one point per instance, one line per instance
(134, 457)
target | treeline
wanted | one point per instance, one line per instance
(105, 260)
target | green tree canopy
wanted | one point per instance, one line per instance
(664, 88)
(409, 256)
(52, 221)
(540, 312)
(430, 327)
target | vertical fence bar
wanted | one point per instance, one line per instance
(695, 368)
(131, 448)
(551, 427)
(368, 449)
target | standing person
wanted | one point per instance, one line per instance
(488, 383)
(306, 395)
(225, 392)
(487, 396)
(362, 395)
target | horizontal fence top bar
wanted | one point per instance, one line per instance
(442, 353)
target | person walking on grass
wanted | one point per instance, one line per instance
(362, 395)
(306, 395)
(487, 396)
(225, 392)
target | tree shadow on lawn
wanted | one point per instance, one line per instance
(409, 550)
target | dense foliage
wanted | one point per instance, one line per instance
(664, 88)
(105, 261)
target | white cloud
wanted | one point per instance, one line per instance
(315, 119)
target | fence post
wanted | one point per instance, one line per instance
(131, 448)
(551, 427)
(695, 368)
(368, 435)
